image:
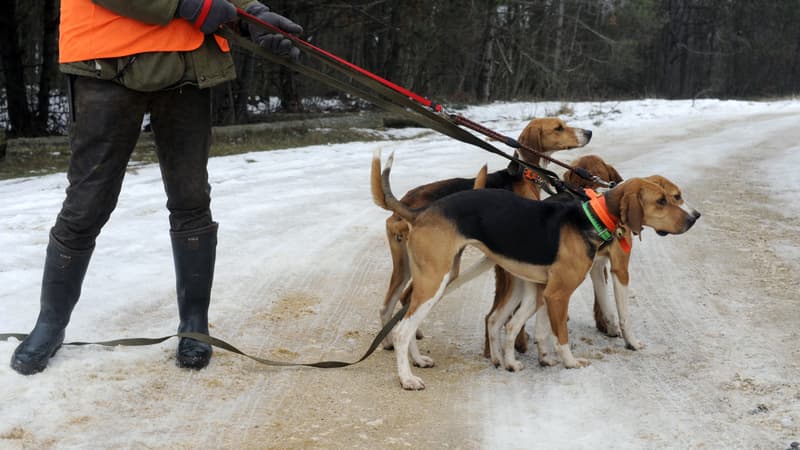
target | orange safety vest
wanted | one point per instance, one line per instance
(89, 31)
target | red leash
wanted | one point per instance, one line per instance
(432, 113)
(308, 46)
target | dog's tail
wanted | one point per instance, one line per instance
(382, 191)
(480, 179)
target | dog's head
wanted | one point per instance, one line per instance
(551, 134)
(673, 191)
(597, 167)
(644, 202)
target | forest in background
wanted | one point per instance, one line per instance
(466, 51)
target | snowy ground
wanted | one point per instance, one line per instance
(303, 264)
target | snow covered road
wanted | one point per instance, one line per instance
(302, 266)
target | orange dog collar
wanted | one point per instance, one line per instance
(531, 175)
(598, 205)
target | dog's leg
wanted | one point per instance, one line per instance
(503, 289)
(419, 359)
(621, 296)
(526, 309)
(404, 298)
(401, 294)
(620, 277)
(543, 332)
(404, 333)
(396, 230)
(500, 315)
(605, 320)
(398, 281)
(560, 287)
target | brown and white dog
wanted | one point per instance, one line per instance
(603, 317)
(616, 255)
(504, 304)
(550, 245)
(547, 135)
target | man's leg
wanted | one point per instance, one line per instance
(106, 119)
(181, 121)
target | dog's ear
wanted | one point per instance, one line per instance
(539, 140)
(531, 136)
(631, 211)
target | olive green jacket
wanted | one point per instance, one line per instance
(205, 67)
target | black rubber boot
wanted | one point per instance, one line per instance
(194, 252)
(64, 270)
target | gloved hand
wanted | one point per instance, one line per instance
(273, 42)
(207, 15)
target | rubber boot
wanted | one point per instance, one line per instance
(194, 253)
(64, 270)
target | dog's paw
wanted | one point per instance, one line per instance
(547, 361)
(412, 383)
(577, 363)
(514, 366)
(613, 331)
(497, 361)
(634, 344)
(521, 344)
(424, 362)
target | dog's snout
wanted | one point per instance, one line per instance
(692, 218)
(588, 134)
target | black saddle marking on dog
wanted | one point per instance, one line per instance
(524, 230)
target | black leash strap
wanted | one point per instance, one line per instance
(219, 343)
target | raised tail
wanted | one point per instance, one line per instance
(481, 178)
(382, 191)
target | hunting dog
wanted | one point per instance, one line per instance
(616, 255)
(550, 245)
(546, 135)
(604, 318)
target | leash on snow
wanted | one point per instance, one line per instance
(219, 343)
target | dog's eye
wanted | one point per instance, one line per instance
(678, 197)
(662, 201)
(560, 128)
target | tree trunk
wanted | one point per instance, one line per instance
(19, 115)
(559, 38)
(244, 86)
(287, 91)
(486, 72)
(47, 69)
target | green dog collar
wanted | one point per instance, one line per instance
(598, 227)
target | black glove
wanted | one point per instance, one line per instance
(276, 43)
(207, 15)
